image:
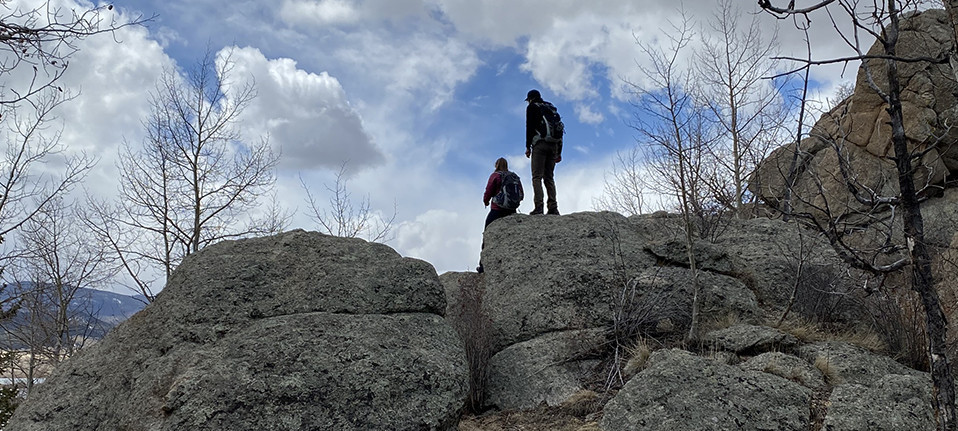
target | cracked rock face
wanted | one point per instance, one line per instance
(294, 331)
(857, 130)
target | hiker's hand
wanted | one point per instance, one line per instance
(528, 153)
(558, 159)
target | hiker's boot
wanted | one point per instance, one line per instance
(536, 211)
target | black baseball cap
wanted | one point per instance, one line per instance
(533, 95)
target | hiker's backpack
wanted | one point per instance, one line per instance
(554, 129)
(510, 194)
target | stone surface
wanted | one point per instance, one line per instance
(852, 364)
(859, 126)
(294, 331)
(787, 367)
(546, 274)
(547, 369)
(666, 293)
(749, 339)
(892, 403)
(680, 391)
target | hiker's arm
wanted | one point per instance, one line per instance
(490, 188)
(532, 122)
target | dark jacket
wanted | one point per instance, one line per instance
(535, 126)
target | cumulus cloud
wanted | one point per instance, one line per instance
(320, 13)
(588, 115)
(449, 240)
(111, 77)
(306, 115)
(422, 68)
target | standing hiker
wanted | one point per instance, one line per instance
(503, 193)
(544, 130)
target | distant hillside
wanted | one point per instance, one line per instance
(107, 309)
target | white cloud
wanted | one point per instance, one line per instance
(306, 115)
(422, 69)
(113, 76)
(587, 115)
(318, 12)
(449, 240)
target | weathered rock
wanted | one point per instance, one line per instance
(749, 339)
(851, 364)
(665, 293)
(546, 274)
(762, 253)
(681, 391)
(547, 369)
(892, 403)
(860, 126)
(294, 331)
(787, 367)
(708, 256)
(459, 286)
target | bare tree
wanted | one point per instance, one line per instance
(343, 217)
(625, 186)
(677, 135)
(881, 21)
(58, 260)
(43, 38)
(26, 187)
(748, 109)
(194, 181)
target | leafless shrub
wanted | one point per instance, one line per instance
(644, 311)
(898, 318)
(822, 293)
(475, 328)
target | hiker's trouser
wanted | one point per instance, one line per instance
(493, 216)
(543, 171)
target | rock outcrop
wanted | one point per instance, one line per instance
(554, 287)
(681, 391)
(857, 131)
(290, 332)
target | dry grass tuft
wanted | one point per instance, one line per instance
(832, 375)
(726, 321)
(638, 356)
(860, 335)
(582, 403)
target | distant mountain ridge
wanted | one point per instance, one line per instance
(108, 309)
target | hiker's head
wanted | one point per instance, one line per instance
(502, 164)
(533, 95)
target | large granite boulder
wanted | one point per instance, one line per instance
(290, 332)
(850, 364)
(680, 391)
(857, 130)
(893, 402)
(545, 274)
(547, 369)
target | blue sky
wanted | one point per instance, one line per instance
(418, 97)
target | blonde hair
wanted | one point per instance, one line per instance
(502, 164)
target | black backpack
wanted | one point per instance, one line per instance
(554, 129)
(510, 194)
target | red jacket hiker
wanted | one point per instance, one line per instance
(492, 188)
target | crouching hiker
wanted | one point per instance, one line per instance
(503, 194)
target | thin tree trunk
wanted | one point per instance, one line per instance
(913, 224)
